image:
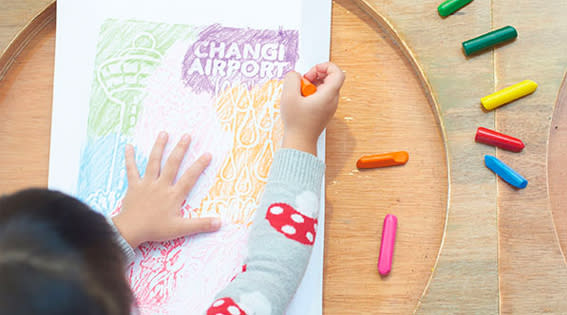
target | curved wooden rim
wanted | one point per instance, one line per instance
(24, 36)
(552, 177)
(389, 29)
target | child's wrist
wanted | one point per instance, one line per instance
(129, 235)
(300, 142)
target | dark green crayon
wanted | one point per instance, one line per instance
(450, 6)
(488, 40)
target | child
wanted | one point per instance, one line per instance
(59, 257)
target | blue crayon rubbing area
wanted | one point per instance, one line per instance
(95, 187)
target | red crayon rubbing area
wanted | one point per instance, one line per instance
(164, 270)
(497, 139)
(225, 306)
(291, 223)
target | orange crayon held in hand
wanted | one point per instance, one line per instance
(307, 88)
(383, 160)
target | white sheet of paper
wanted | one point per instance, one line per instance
(78, 34)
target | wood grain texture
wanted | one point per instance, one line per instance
(25, 114)
(15, 15)
(466, 275)
(533, 273)
(382, 108)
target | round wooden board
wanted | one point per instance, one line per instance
(383, 108)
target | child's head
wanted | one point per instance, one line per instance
(57, 256)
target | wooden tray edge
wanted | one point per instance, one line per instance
(24, 36)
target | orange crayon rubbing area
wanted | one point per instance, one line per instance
(252, 116)
(383, 160)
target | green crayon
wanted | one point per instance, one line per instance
(488, 40)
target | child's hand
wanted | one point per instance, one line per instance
(151, 210)
(305, 118)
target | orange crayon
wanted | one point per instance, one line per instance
(307, 88)
(383, 160)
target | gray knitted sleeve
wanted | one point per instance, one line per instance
(281, 238)
(126, 248)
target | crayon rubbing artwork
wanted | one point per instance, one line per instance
(222, 86)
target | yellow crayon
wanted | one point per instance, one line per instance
(508, 94)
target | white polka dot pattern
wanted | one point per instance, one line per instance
(276, 210)
(225, 306)
(288, 229)
(291, 223)
(233, 310)
(309, 236)
(297, 218)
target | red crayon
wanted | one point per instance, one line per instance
(497, 139)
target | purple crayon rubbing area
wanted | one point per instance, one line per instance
(242, 55)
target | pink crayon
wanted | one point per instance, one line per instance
(387, 246)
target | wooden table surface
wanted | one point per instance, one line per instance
(454, 252)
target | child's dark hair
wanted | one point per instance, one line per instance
(57, 256)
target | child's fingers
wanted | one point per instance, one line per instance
(130, 160)
(154, 161)
(327, 74)
(292, 85)
(312, 75)
(192, 174)
(317, 74)
(184, 227)
(334, 77)
(171, 167)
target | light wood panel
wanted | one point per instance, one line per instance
(533, 272)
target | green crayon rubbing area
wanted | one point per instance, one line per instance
(127, 53)
(490, 39)
(451, 6)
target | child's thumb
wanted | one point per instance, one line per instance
(292, 84)
(185, 227)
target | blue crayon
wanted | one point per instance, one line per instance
(505, 172)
